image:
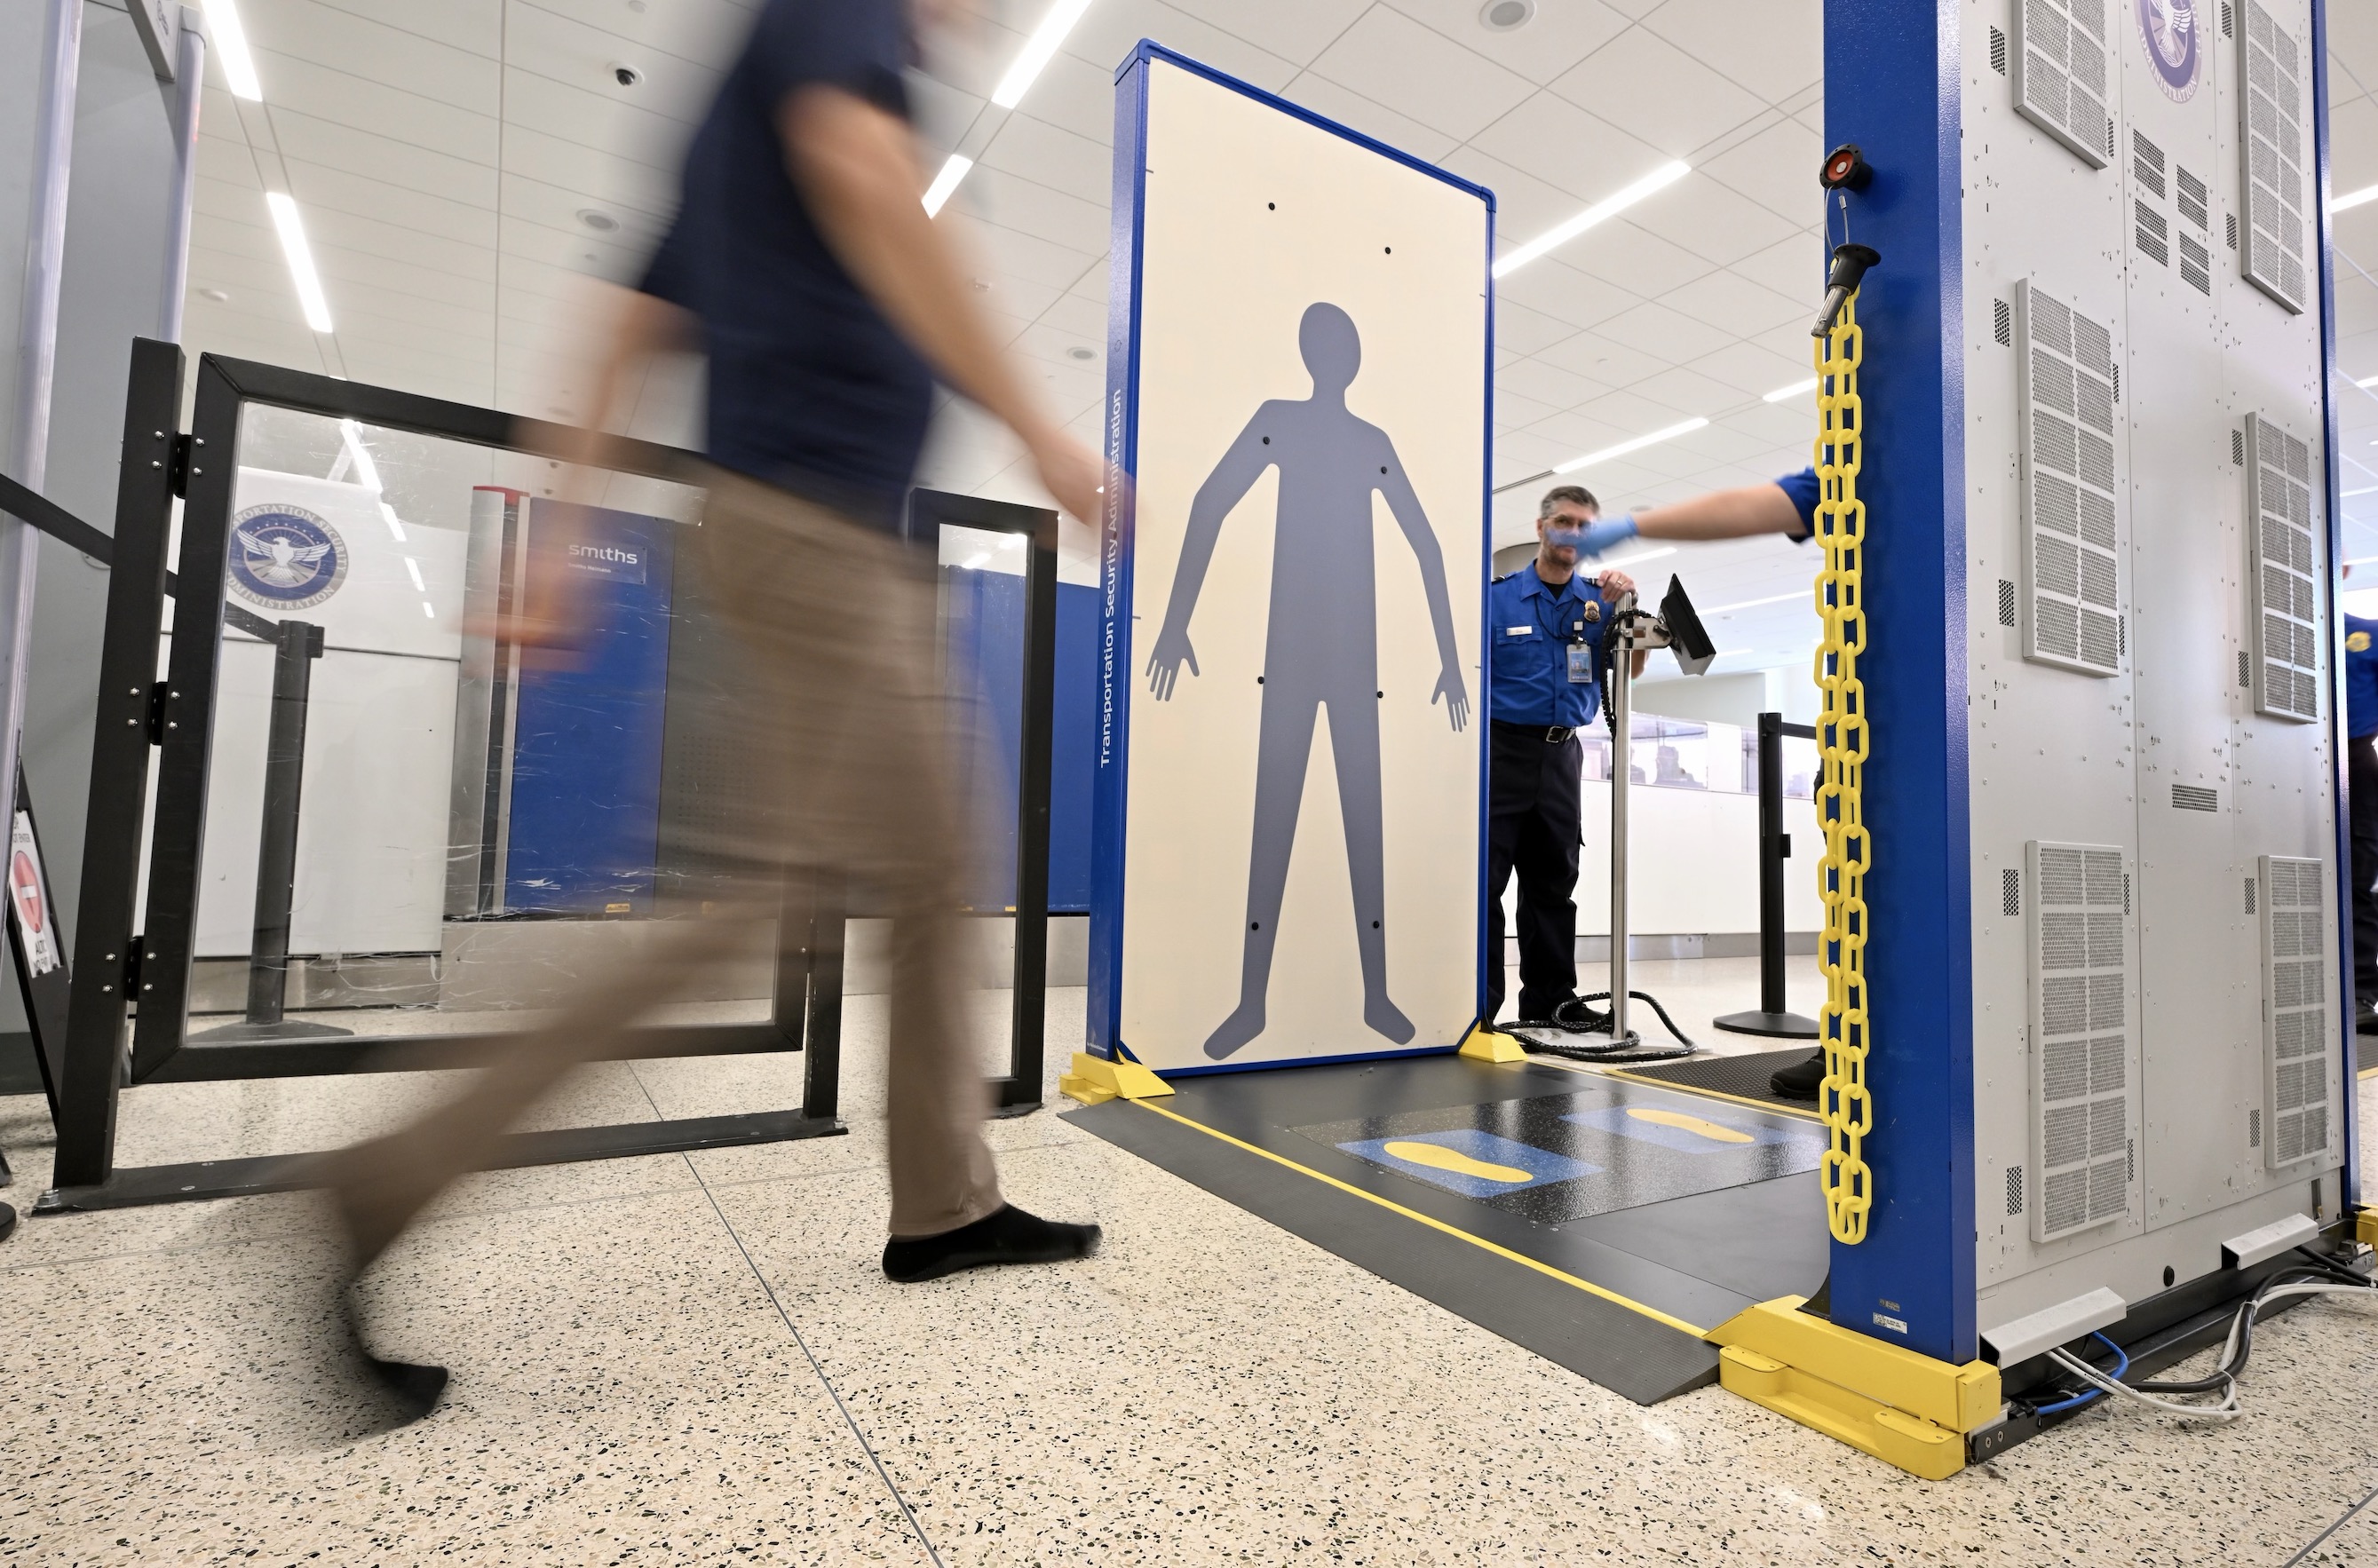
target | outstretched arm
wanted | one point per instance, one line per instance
(1722, 514)
(1405, 505)
(1232, 479)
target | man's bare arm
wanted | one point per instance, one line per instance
(1722, 514)
(857, 167)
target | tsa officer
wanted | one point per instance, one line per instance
(2361, 802)
(1544, 629)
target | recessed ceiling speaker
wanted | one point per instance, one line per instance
(1507, 16)
(595, 219)
(1081, 353)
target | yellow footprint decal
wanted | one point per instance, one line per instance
(1694, 1124)
(1436, 1156)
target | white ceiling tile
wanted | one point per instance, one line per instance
(1110, 29)
(463, 319)
(323, 38)
(568, 51)
(321, 191)
(1075, 94)
(708, 32)
(1376, 120)
(1513, 412)
(333, 147)
(1526, 452)
(1794, 268)
(1711, 222)
(1657, 92)
(1733, 304)
(1022, 298)
(605, 124)
(1602, 360)
(573, 251)
(1010, 252)
(1624, 253)
(1391, 59)
(995, 196)
(1549, 384)
(475, 25)
(1776, 168)
(1527, 330)
(372, 106)
(551, 207)
(1580, 154)
(1295, 31)
(228, 160)
(1751, 369)
(341, 239)
(642, 196)
(1524, 206)
(1038, 150)
(1562, 33)
(1774, 48)
(942, 111)
(1688, 391)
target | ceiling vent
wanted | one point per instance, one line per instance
(1507, 16)
(2286, 553)
(2082, 985)
(2270, 139)
(2059, 74)
(2071, 565)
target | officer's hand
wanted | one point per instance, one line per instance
(1173, 651)
(1456, 698)
(1614, 583)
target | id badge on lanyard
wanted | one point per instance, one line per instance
(1580, 664)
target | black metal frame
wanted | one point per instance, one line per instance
(1772, 1017)
(1018, 1091)
(111, 968)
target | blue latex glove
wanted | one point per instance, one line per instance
(1595, 538)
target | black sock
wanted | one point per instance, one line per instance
(1008, 1235)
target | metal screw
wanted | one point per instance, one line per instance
(201, 441)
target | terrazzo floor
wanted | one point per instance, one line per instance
(693, 1359)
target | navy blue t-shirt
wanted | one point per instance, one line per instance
(810, 388)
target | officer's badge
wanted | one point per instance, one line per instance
(1593, 613)
(2355, 642)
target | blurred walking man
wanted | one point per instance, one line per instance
(803, 264)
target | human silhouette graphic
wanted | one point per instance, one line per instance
(1322, 646)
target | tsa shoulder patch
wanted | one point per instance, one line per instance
(2357, 643)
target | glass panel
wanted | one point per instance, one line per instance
(1799, 768)
(479, 828)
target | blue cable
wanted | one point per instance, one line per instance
(2123, 1366)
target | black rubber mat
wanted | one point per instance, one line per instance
(1602, 1224)
(1736, 1077)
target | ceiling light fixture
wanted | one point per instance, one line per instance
(350, 436)
(1658, 179)
(945, 182)
(300, 258)
(229, 42)
(1784, 394)
(1623, 447)
(2354, 199)
(1038, 50)
(2367, 382)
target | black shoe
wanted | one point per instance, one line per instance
(412, 1389)
(7, 1222)
(1007, 1236)
(1799, 1080)
(1581, 1017)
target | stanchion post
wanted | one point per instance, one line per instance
(296, 645)
(1774, 1018)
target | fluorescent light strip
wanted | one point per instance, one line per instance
(389, 514)
(945, 182)
(429, 609)
(300, 257)
(1754, 604)
(1797, 389)
(229, 40)
(1038, 50)
(1623, 447)
(2367, 382)
(414, 568)
(1609, 207)
(2354, 199)
(2365, 490)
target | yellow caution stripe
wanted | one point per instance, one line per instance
(1434, 1224)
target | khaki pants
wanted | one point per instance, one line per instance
(835, 721)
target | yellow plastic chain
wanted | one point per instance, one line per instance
(1843, 745)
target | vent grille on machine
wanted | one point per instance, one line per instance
(2249, 895)
(2196, 263)
(2002, 323)
(2196, 202)
(2071, 577)
(2270, 140)
(2146, 163)
(2153, 234)
(2195, 798)
(1997, 51)
(2296, 1031)
(2009, 892)
(2080, 992)
(2006, 603)
(2014, 1191)
(2285, 547)
(2059, 74)
(2245, 671)
(2228, 26)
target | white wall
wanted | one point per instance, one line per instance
(1693, 864)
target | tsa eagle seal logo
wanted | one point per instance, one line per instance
(286, 557)
(2169, 29)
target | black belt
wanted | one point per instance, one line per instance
(1550, 735)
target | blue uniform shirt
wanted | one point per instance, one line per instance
(2360, 676)
(810, 388)
(1531, 626)
(1801, 490)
